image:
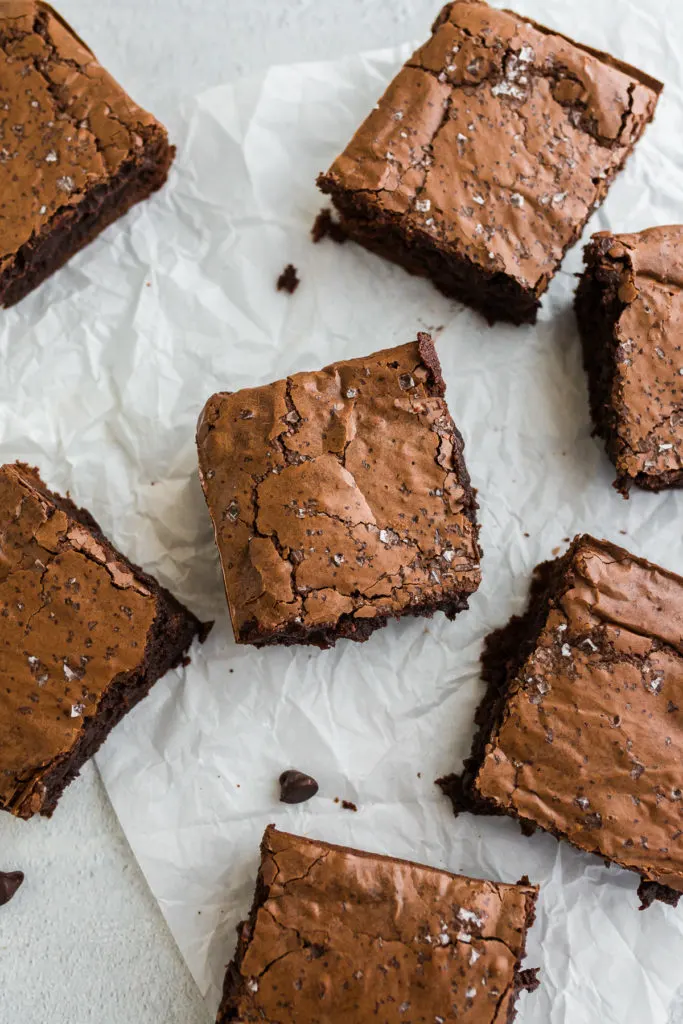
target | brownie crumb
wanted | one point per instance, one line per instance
(325, 227)
(348, 805)
(528, 979)
(296, 787)
(186, 661)
(651, 892)
(9, 883)
(288, 281)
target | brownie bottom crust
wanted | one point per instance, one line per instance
(505, 652)
(172, 632)
(495, 295)
(348, 627)
(73, 228)
(598, 310)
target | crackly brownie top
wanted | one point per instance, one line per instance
(497, 139)
(65, 124)
(643, 274)
(341, 935)
(341, 492)
(591, 744)
(73, 617)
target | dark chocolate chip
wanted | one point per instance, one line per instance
(296, 787)
(348, 805)
(9, 883)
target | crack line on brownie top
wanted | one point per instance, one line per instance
(38, 64)
(295, 457)
(385, 939)
(555, 74)
(41, 29)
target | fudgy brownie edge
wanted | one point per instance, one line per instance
(505, 652)
(172, 632)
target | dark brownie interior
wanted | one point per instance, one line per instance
(493, 294)
(598, 310)
(72, 228)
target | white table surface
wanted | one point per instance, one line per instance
(83, 942)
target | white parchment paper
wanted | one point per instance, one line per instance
(105, 370)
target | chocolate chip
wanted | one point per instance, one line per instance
(9, 883)
(296, 787)
(348, 805)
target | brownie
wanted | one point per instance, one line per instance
(84, 635)
(75, 151)
(337, 935)
(487, 154)
(340, 498)
(630, 314)
(581, 731)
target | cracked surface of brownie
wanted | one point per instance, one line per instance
(75, 151)
(83, 636)
(336, 935)
(629, 307)
(487, 154)
(581, 731)
(340, 498)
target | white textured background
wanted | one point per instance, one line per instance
(83, 941)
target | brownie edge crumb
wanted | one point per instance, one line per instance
(324, 226)
(288, 281)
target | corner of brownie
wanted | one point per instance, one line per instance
(582, 721)
(340, 498)
(81, 152)
(630, 315)
(85, 634)
(487, 154)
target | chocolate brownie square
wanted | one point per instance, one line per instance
(340, 498)
(630, 313)
(581, 731)
(83, 636)
(75, 151)
(341, 936)
(487, 154)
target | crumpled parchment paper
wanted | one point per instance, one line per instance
(105, 370)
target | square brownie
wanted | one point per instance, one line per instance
(337, 935)
(487, 154)
(75, 151)
(83, 635)
(629, 307)
(581, 731)
(340, 498)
